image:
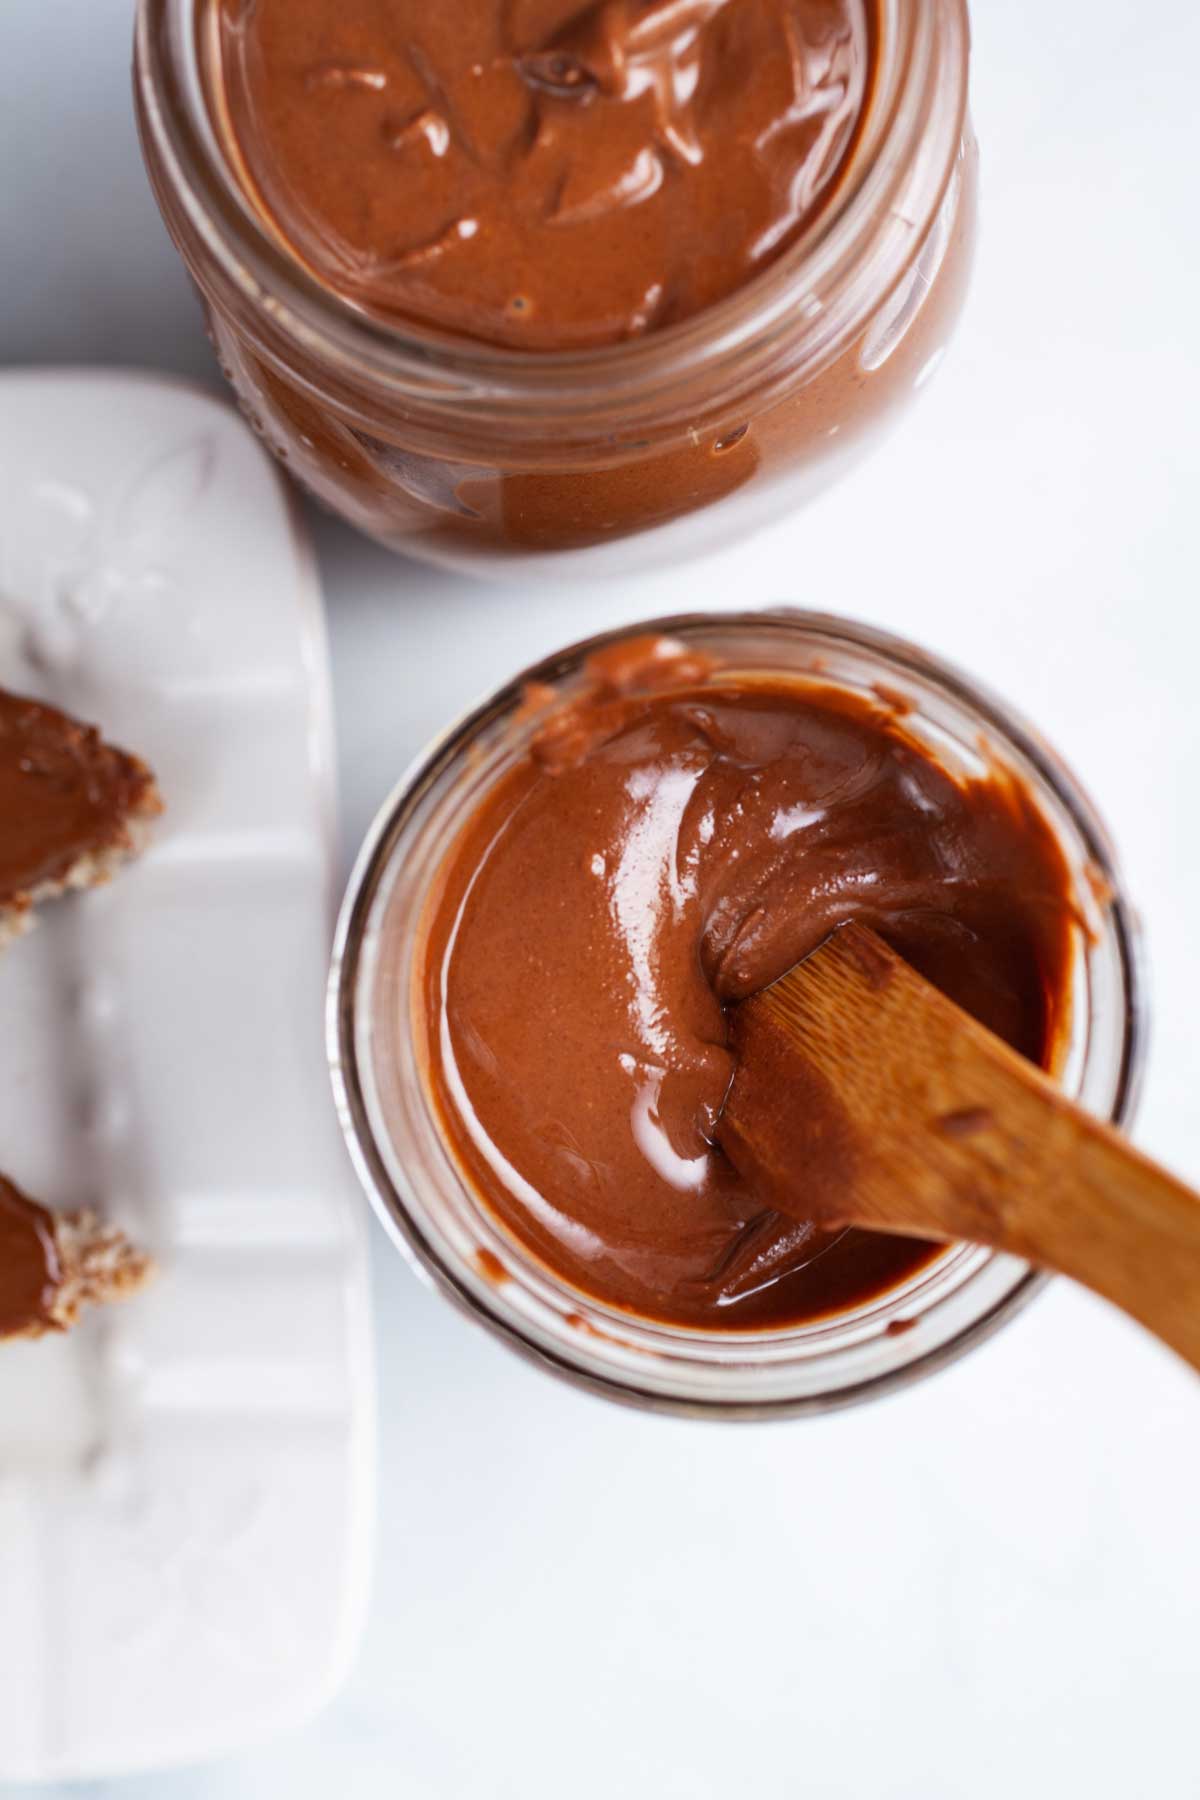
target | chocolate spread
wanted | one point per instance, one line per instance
(541, 172)
(65, 795)
(30, 1271)
(675, 839)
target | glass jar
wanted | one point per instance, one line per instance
(471, 453)
(433, 1214)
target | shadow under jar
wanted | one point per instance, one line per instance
(923, 1311)
(473, 452)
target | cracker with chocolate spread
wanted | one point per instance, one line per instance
(73, 808)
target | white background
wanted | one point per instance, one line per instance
(988, 1586)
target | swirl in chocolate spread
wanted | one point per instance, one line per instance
(677, 837)
(541, 172)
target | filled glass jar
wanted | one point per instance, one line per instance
(546, 412)
(404, 1100)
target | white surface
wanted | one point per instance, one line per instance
(989, 1586)
(185, 1482)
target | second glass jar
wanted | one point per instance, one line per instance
(428, 1203)
(471, 453)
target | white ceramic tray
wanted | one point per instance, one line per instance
(185, 1483)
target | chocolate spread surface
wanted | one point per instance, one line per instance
(676, 839)
(30, 1270)
(541, 172)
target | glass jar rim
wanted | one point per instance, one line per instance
(787, 324)
(375, 859)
